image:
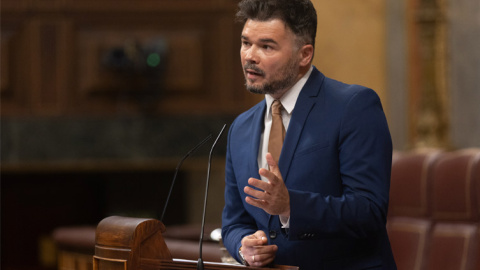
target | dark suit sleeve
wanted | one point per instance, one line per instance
(363, 149)
(236, 222)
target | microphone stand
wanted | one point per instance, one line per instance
(176, 172)
(200, 259)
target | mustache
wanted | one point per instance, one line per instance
(254, 68)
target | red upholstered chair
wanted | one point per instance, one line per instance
(409, 238)
(453, 246)
(455, 210)
(411, 183)
(408, 225)
(454, 190)
(396, 155)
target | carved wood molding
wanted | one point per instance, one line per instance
(428, 93)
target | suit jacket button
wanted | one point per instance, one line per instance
(273, 234)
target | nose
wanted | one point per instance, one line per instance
(250, 55)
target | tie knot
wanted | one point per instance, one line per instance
(277, 107)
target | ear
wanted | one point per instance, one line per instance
(306, 54)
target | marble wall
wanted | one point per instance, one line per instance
(461, 73)
(464, 72)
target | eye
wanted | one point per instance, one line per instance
(245, 43)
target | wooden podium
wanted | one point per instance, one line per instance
(123, 243)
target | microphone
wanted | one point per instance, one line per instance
(176, 172)
(200, 259)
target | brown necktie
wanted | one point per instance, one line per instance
(277, 132)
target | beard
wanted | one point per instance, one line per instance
(286, 77)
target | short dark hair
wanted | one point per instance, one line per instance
(298, 15)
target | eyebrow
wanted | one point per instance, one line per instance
(262, 40)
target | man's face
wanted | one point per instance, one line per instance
(269, 57)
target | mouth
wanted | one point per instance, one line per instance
(252, 72)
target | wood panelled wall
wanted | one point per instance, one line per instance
(351, 43)
(60, 103)
(53, 57)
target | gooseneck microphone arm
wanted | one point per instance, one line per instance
(200, 259)
(176, 172)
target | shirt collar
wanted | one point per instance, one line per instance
(289, 99)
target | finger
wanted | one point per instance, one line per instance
(272, 177)
(264, 255)
(251, 237)
(273, 174)
(257, 260)
(258, 183)
(272, 164)
(256, 202)
(268, 261)
(249, 245)
(261, 259)
(259, 194)
(261, 235)
(265, 249)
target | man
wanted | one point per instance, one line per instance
(320, 201)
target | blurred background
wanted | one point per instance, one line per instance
(101, 98)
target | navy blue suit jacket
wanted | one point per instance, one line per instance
(335, 162)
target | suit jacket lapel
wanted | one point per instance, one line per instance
(258, 126)
(305, 102)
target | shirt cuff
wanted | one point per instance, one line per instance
(285, 222)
